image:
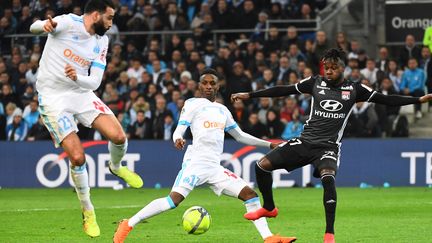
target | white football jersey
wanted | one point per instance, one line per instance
(70, 43)
(208, 122)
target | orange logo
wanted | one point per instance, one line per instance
(75, 58)
(209, 124)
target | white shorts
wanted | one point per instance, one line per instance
(220, 179)
(61, 112)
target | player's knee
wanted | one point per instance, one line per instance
(327, 176)
(77, 158)
(247, 193)
(263, 166)
(119, 138)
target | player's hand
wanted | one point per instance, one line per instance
(274, 145)
(70, 72)
(426, 98)
(239, 96)
(49, 25)
(180, 143)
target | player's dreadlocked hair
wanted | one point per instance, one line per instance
(334, 55)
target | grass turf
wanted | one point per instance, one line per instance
(363, 215)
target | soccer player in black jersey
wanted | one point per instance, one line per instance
(333, 98)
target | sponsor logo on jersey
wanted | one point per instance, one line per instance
(346, 95)
(329, 114)
(331, 105)
(321, 87)
(76, 58)
(210, 124)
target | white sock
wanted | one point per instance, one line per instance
(157, 206)
(261, 223)
(80, 178)
(117, 151)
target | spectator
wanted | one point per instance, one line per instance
(410, 50)
(136, 69)
(383, 59)
(413, 83)
(342, 42)
(264, 106)
(395, 74)
(274, 125)
(141, 128)
(238, 81)
(292, 38)
(370, 72)
(289, 109)
(294, 127)
(38, 131)
(247, 17)
(240, 113)
(17, 130)
(158, 118)
(321, 43)
(387, 115)
(363, 121)
(169, 127)
(7, 96)
(31, 113)
(255, 128)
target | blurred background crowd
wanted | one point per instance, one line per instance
(149, 76)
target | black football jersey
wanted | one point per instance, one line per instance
(330, 108)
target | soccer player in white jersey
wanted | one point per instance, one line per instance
(208, 122)
(71, 67)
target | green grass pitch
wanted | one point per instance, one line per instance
(363, 215)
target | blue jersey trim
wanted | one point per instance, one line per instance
(185, 123)
(98, 65)
(170, 202)
(231, 127)
(78, 19)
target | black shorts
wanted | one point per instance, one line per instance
(296, 153)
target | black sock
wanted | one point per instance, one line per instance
(329, 200)
(265, 183)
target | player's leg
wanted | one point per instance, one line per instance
(63, 129)
(179, 192)
(289, 156)
(226, 182)
(155, 207)
(326, 166)
(109, 127)
(78, 172)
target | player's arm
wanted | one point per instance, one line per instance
(248, 139)
(186, 116)
(91, 81)
(365, 93)
(50, 25)
(304, 86)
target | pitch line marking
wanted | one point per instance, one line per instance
(60, 209)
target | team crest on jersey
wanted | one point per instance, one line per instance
(346, 95)
(96, 49)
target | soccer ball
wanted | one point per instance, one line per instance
(196, 220)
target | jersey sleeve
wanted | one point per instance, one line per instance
(64, 22)
(230, 122)
(305, 86)
(364, 93)
(187, 113)
(100, 61)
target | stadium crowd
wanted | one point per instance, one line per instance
(147, 79)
